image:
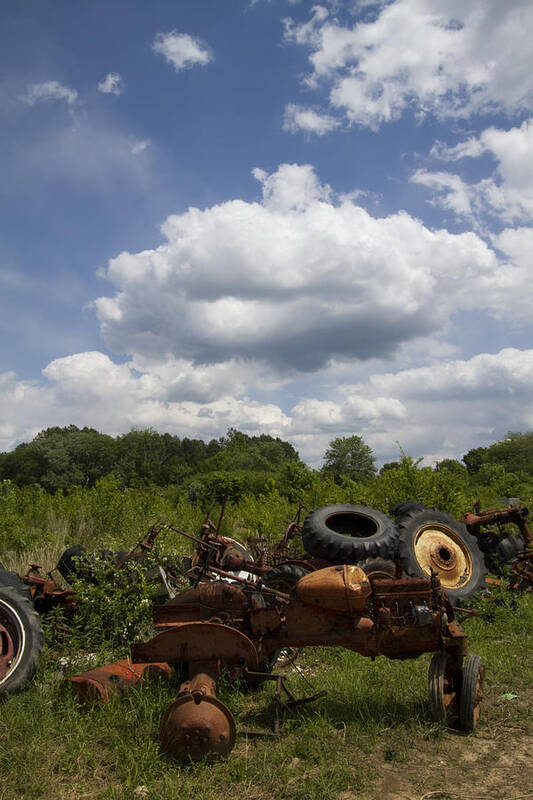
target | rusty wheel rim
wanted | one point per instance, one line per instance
(439, 549)
(12, 640)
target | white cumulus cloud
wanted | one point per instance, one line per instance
(506, 193)
(181, 49)
(297, 280)
(308, 120)
(441, 57)
(113, 83)
(48, 91)
(435, 411)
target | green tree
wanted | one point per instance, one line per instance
(389, 465)
(450, 465)
(474, 459)
(515, 452)
(61, 457)
(349, 456)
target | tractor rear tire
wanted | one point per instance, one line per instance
(433, 540)
(21, 635)
(346, 534)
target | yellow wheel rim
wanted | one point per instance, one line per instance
(440, 549)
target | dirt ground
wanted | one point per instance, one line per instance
(496, 764)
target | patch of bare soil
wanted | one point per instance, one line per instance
(494, 764)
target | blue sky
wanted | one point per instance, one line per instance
(309, 220)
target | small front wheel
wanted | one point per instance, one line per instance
(471, 692)
(443, 686)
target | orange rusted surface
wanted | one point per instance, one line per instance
(339, 588)
(99, 684)
(198, 641)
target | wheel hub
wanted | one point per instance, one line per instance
(439, 549)
(7, 652)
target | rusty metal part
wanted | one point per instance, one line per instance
(197, 724)
(198, 641)
(44, 591)
(516, 515)
(521, 577)
(239, 625)
(484, 522)
(339, 588)
(7, 650)
(97, 685)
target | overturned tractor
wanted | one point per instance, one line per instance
(238, 626)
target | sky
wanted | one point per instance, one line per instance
(306, 220)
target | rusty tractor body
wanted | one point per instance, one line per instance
(237, 627)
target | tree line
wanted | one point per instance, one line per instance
(59, 458)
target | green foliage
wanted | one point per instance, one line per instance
(514, 454)
(220, 486)
(61, 457)
(349, 456)
(113, 607)
(450, 465)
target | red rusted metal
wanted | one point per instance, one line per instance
(195, 641)
(521, 568)
(339, 588)
(516, 515)
(197, 724)
(44, 591)
(99, 684)
(7, 651)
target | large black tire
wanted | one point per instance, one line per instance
(21, 635)
(433, 540)
(76, 562)
(443, 687)
(70, 562)
(403, 508)
(346, 534)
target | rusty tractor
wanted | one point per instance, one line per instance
(238, 626)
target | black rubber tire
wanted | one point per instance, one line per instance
(8, 578)
(471, 692)
(22, 624)
(403, 508)
(76, 562)
(442, 688)
(378, 568)
(70, 562)
(411, 526)
(285, 576)
(509, 547)
(346, 534)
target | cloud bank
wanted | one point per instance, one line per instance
(298, 280)
(285, 316)
(446, 58)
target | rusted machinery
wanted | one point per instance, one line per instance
(516, 552)
(239, 627)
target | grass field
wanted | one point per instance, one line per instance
(371, 737)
